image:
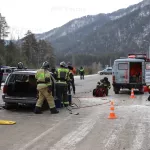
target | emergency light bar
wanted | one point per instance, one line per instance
(131, 56)
(138, 56)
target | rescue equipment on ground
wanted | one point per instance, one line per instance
(7, 122)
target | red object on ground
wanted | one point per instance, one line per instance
(146, 89)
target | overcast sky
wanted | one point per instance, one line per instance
(43, 15)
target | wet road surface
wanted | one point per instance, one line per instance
(88, 128)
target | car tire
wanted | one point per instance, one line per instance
(101, 73)
(116, 90)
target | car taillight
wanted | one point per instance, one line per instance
(113, 79)
(5, 89)
(5, 74)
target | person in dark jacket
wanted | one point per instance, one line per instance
(20, 65)
(71, 82)
(53, 71)
(81, 72)
(106, 84)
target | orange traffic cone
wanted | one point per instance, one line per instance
(132, 93)
(112, 115)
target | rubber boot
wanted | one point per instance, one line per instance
(54, 111)
(37, 110)
(148, 98)
(66, 105)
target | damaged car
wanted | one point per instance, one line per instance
(20, 88)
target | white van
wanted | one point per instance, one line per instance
(6, 71)
(130, 73)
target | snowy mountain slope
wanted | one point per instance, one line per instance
(125, 29)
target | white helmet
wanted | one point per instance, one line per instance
(63, 64)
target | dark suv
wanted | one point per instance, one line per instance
(20, 88)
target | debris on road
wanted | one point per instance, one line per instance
(7, 122)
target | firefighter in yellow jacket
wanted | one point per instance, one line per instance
(44, 87)
(62, 79)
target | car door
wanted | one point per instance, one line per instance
(109, 71)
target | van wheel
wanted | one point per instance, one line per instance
(101, 73)
(116, 90)
(141, 91)
(10, 105)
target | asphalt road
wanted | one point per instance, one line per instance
(90, 130)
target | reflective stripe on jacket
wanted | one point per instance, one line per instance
(40, 76)
(81, 70)
(62, 75)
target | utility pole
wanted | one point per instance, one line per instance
(149, 52)
(110, 62)
(73, 59)
(148, 48)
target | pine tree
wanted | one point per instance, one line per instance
(11, 52)
(30, 49)
(3, 27)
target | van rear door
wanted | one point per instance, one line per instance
(147, 73)
(122, 74)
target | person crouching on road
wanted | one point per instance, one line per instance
(106, 84)
(62, 78)
(44, 87)
(100, 90)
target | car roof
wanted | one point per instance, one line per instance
(25, 72)
(8, 68)
(129, 60)
(29, 71)
(109, 68)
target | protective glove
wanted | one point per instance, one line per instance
(47, 80)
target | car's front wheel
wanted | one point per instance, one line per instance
(101, 73)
